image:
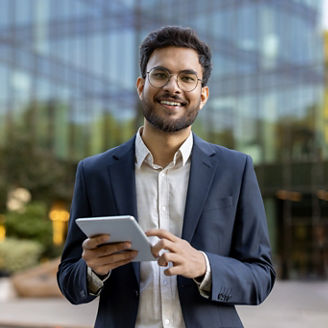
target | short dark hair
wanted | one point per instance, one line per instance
(175, 36)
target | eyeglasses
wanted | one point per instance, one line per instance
(186, 80)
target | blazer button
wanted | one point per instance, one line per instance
(137, 293)
(221, 297)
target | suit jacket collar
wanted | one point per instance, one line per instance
(122, 178)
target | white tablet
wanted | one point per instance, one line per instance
(120, 228)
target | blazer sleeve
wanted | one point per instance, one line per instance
(247, 275)
(72, 271)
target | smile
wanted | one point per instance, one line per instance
(171, 103)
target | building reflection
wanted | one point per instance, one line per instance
(68, 71)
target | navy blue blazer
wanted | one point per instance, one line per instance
(224, 217)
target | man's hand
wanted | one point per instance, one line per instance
(187, 261)
(102, 257)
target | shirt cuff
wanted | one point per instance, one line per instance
(95, 283)
(205, 285)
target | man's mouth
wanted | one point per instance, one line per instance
(170, 103)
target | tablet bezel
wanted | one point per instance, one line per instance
(120, 228)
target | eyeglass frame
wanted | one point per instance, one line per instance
(172, 74)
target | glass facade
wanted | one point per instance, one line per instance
(67, 78)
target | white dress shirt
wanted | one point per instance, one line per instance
(161, 198)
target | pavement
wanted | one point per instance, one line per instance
(292, 304)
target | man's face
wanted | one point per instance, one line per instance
(169, 108)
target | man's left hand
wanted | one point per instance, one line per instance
(186, 260)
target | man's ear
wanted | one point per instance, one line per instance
(140, 85)
(204, 96)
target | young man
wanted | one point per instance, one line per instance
(200, 200)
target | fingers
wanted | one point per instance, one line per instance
(185, 259)
(113, 258)
(94, 242)
(104, 250)
(113, 248)
(161, 233)
(102, 257)
(177, 264)
(168, 241)
(165, 258)
(102, 265)
(112, 262)
(190, 265)
(163, 244)
(173, 271)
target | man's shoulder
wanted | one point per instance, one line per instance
(219, 151)
(109, 156)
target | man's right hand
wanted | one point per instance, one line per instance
(102, 257)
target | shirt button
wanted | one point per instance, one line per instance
(164, 282)
(164, 208)
(167, 322)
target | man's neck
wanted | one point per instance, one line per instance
(163, 145)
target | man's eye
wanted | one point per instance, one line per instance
(159, 75)
(188, 78)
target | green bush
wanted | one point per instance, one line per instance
(32, 224)
(17, 255)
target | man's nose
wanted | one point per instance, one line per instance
(172, 84)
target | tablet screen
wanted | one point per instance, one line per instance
(120, 228)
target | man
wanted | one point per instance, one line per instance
(201, 201)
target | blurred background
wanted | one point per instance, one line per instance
(67, 90)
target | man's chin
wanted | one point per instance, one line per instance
(169, 124)
(170, 127)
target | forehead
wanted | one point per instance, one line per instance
(175, 59)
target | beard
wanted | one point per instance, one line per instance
(164, 122)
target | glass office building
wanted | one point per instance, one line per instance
(67, 78)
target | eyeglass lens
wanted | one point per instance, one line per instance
(186, 81)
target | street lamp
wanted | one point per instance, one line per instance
(59, 217)
(2, 228)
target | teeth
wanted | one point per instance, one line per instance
(170, 103)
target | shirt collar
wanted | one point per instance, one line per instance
(142, 152)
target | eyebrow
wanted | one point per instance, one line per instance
(187, 71)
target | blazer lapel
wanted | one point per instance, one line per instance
(122, 177)
(202, 171)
